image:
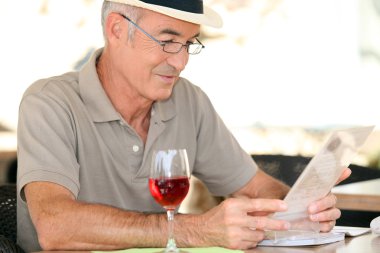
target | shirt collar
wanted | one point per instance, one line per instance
(94, 97)
(165, 109)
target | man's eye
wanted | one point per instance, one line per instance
(167, 41)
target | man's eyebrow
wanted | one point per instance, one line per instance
(175, 33)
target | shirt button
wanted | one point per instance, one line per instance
(135, 148)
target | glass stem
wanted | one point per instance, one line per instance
(171, 246)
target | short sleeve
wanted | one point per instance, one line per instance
(46, 142)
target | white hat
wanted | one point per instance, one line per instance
(192, 11)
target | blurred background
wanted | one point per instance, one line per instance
(281, 73)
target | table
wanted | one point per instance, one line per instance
(368, 243)
(360, 196)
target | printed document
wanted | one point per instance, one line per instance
(317, 180)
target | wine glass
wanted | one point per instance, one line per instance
(169, 184)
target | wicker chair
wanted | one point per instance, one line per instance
(288, 168)
(283, 167)
(8, 219)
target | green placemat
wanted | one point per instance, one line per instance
(189, 250)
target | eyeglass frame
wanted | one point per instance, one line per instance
(163, 44)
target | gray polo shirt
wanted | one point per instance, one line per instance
(70, 134)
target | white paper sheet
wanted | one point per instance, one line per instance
(351, 231)
(337, 234)
(322, 238)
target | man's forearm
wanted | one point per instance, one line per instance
(83, 226)
(263, 185)
(63, 223)
(278, 190)
(102, 227)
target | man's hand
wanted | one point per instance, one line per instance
(233, 223)
(324, 210)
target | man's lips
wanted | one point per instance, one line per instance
(168, 79)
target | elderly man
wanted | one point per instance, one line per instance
(85, 142)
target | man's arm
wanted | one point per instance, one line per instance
(64, 223)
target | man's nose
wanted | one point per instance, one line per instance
(179, 60)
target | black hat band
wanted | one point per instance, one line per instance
(194, 6)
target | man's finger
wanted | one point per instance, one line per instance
(265, 223)
(323, 204)
(265, 205)
(345, 174)
(325, 216)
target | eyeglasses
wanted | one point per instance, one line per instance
(171, 47)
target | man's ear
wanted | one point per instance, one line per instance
(114, 27)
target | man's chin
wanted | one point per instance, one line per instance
(164, 96)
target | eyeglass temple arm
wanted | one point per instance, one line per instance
(138, 27)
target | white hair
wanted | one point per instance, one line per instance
(134, 13)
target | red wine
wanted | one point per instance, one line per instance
(169, 192)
